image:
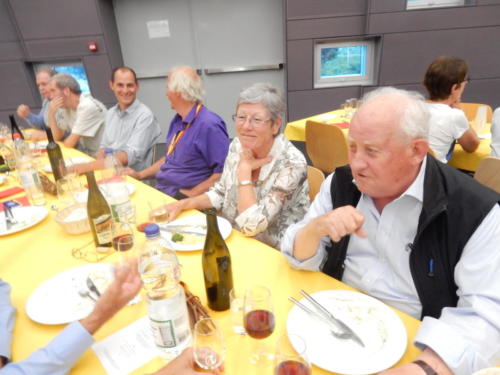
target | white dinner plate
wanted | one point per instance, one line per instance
(225, 229)
(69, 161)
(380, 329)
(81, 197)
(57, 300)
(26, 216)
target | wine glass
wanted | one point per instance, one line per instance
(123, 240)
(64, 193)
(291, 360)
(258, 320)
(208, 347)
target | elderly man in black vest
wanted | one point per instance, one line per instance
(411, 231)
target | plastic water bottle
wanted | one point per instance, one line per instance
(118, 199)
(167, 309)
(112, 166)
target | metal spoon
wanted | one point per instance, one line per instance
(86, 294)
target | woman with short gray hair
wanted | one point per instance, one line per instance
(263, 188)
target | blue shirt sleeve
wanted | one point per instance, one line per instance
(7, 319)
(57, 357)
(36, 120)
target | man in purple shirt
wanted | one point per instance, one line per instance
(197, 141)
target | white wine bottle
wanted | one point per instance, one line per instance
(55, 156)
(99, 215)
(216, 262)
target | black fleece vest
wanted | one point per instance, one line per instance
(454, 205)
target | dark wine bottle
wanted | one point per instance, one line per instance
(99, 215)
(14, 128)
(55, 156)
(216, 262)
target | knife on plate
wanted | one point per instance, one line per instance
(328, 315)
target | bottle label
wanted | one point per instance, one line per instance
(163, 332)
(102, 226)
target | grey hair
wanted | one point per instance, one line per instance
(65, 80)
(185, 81)
(267, 95)
(415, 117)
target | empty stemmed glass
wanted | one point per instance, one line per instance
(258, 320)
(208, 347)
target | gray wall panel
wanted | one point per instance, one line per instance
(444, 18)
(324, 8)
(300, 64)
(99, 68)
(7, 30)
(11, 51)
(488, 2)
(397, 67)
(64, 47)
(15, 88)
(382, 6)
(55, 18)
(324, 28)
(110, 31)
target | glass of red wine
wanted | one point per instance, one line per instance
(290, 357)
(258, 320)
(123, 240)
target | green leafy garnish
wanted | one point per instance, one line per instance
(176, 237)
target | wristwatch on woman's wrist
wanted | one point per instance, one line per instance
(245, 182)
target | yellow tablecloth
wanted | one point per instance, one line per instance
(32, 256)
(296, 131)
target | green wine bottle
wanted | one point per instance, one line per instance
(55, 156)
(216, 262)
(99, 214)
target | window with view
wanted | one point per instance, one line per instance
(344, 63)
(420, 4)
(76, 69)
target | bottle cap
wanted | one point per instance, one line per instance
(16, 135)
(152, 230)
(108, 151)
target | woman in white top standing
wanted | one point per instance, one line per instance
(445, 81)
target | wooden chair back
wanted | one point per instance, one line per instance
(470, 110)
(326, 146)
(488, 173)
(315, 178)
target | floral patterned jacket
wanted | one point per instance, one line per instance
(281, 192)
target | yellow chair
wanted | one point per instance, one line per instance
(315, 178)
(470, 110)
(326, 146)
(488, 173)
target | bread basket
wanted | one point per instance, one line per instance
(74, 219)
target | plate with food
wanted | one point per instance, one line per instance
(188, 233)
(65, 297)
